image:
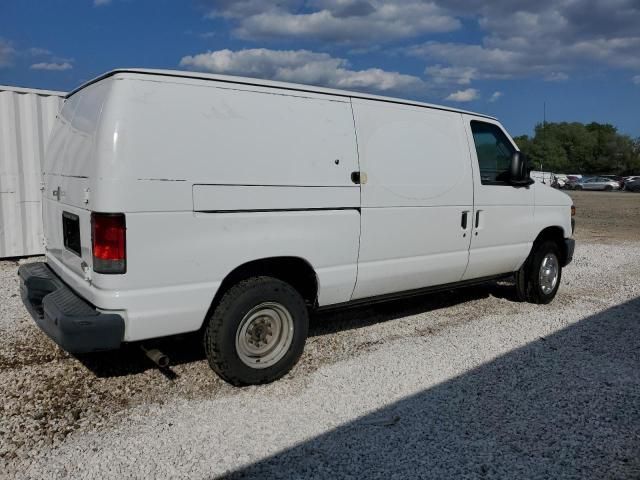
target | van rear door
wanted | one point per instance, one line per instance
(68, 174)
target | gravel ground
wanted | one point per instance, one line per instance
(607, 217)
(467, 384)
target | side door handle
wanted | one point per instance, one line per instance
(463, 221)
(477, 222)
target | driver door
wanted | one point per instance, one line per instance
(502, 228)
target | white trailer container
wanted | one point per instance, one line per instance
(26, 119)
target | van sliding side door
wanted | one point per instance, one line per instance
(417, 197)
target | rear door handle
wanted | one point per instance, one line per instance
(359, 178)
(478, 218)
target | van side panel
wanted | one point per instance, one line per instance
(210, 178)
(218, 134)
(217, 198)
(179, 259)
(552, 209)
(418, 185)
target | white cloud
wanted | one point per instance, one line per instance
(301, 66)
(6, 53)
(518, 61)
(53, 66)
(100, 3)
(467, 95)
(556, 77)
(48, 60)
(636, 79)
(37, 52)
(343, 21)
(546, 39)
(446, 75)
(245, 8)
(477, 61)
(495, 96)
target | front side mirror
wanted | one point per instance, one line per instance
(519, 171)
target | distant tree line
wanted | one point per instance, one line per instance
(592, 148)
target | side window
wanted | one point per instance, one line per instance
(494, 153)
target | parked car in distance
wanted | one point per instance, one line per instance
(616, 178)
(180, 202)
(571, 182)
(630, 179)
(596, 183)
(539, 176)
(559, 180)
(633, 185)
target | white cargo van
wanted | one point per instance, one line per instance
(176, 202)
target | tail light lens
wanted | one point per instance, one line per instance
(108, 236)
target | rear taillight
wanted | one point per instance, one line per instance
(108, 237)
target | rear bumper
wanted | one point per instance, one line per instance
(569, 247)
(66, 318)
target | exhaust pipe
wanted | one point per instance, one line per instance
(156, 356)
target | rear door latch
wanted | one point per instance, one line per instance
(359, 178)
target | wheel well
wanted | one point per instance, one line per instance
(555, 234)
(296, 271)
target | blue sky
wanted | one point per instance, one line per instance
(504, 57)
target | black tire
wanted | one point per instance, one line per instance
(608, 188)
(528, 286)
(577, 187)
(225, 320)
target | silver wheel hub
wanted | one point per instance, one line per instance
(549, 270)
(264, 335)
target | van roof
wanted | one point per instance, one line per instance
(271, 84)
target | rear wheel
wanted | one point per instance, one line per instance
(608, 188)
(539, 278)
(577, 187)
(257, 332)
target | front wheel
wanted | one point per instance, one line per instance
(539, 278)
(257, 332)
(608, 188)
